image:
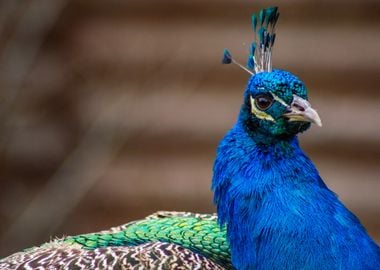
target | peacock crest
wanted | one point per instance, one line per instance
(260, 51)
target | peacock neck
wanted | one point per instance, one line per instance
(245, 172)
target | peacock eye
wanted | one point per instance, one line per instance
(263, 101)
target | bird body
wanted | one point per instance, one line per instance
(273, 209)
(273, 201)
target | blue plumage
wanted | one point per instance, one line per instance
(278, 211)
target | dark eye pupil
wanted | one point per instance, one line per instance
(264, 101)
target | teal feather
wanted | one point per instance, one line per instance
(227, 58)
(251, 62)
(254, 23)
(262, 16)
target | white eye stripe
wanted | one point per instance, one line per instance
(281, 101)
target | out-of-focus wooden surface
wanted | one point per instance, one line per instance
(111, 110)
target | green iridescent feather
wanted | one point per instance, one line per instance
(164, 240)
(197, 232)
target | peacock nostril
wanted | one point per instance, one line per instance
(299, 107)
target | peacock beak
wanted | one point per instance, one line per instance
(301, 110)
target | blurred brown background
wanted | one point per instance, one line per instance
(111, 110)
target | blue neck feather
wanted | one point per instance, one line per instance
(277, 209)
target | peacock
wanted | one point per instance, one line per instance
(273, 209)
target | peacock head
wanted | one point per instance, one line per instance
(275, 104)
(275, 101)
